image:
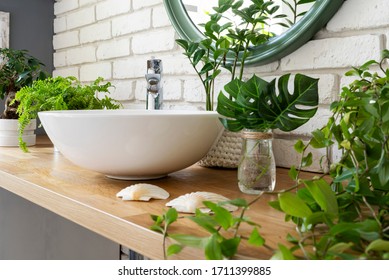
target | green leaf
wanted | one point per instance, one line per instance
(198, 55)
(378, 245)
(171, 216)
(292, 205)
(299, 146)
(229, 247)
(189, 240)
(293, 173)
(239, 202)
(213, 249)
(385, 54)
(283, 253)
(319, 140)
(174, 249)
(275, 204)
(256, 104)
(255, 238)
(323, 195)
(340, 247)
(157, 228)
(307, 160)
(205, 221)
(221, 215)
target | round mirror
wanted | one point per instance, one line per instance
(185, 16)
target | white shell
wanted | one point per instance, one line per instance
(188, 203)
(142, 192)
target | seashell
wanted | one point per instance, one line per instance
(142, 192)
(188, 203)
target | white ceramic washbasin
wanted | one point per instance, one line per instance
(132, 144)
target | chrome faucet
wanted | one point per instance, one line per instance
(153, 76)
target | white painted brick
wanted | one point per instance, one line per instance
(154, 41)
(64, 6)
(139, 4)
(194, 90)
(359, 15)
(60, 59)
(334, 53)
(134, 67)
(91, 72)
(66, 72)
(171, 88)
(160, 17)
(87, 2)
(65, 40)
(81, 55)
(387, 41)
(140, 90)
(111, 8)
(262, 69)
(113, 49)
(95, 32)
(123, 90)
(130, 23)
(328, 88)
(60, 24)
(81, 17)
(177, 64)
(286, 156)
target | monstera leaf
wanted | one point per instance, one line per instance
(257, 104)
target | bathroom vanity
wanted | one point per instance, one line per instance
(88, 200)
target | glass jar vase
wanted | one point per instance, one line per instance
(256, 168)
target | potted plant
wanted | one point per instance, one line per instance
(17, 69)
(255, 107)
(60, 93)
(341, 214)
(229, 35)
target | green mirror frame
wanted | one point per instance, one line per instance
(276, 48)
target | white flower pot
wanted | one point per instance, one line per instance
(9, 134)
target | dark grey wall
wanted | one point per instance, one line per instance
(31, 28)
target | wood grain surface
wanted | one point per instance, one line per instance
(46, 178)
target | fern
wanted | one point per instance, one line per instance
(60, 93)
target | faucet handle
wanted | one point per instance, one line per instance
(154, 66)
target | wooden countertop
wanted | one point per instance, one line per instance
(46, 178)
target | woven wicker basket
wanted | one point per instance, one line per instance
(225, 153)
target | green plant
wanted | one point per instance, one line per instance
(223, 228)
(352, 202)
(229, 40)
(341, 214)
(256, 104)
(298, 10)
(17, 69)
(60, 93)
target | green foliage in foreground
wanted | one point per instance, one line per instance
(343, 214)
(60, 93)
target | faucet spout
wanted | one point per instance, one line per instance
(153, 77)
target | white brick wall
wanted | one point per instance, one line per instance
(114, 38)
